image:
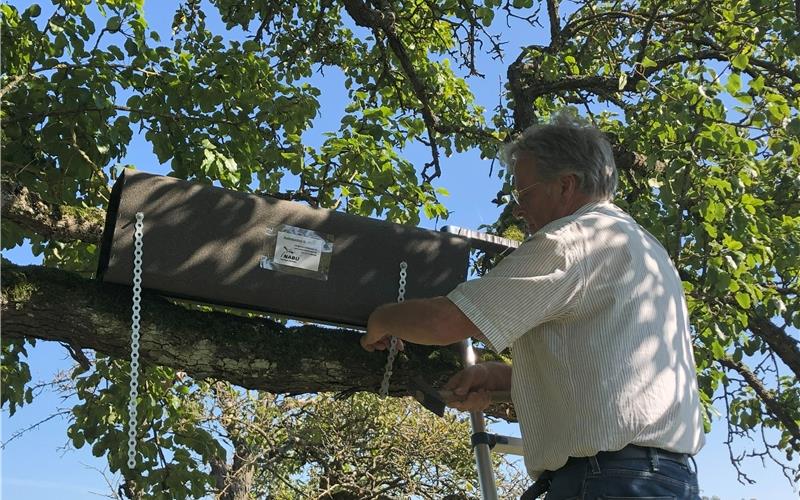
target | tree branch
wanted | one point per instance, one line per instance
(787, 348)
(522, 101)
(605, 85)
(797, 11)
(254, 353)
(646, 32)
(768, 397)
(384, 22)
(12, 83)
(158, 114)
(555, 24)
(63, 223)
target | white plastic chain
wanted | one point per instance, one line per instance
(135, 317)
(401, 296)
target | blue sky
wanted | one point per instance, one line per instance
(37, 466)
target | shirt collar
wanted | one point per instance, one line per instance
(585, 209)
(589, 207)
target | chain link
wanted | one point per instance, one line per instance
(401, 296)
(135, 318)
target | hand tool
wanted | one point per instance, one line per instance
(435, 400)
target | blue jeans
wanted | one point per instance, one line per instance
(612, 476)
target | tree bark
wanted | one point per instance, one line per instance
(767, 396)
(255, 353)
(63, 223)
(251, 352)
(787, 348)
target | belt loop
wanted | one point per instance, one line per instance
(595, 465)
(653, 459)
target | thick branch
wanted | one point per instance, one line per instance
(607, 85)
(12, 82)
(555, 24)
(768, 397)
(647, 31)
(62, 223)
(631, 161)
(384, 22)
(797, 11)
(526, 86)
(718, 52)
(781, 343)
(51, 304)
(522, 101)
(254, 353)
(108, 109)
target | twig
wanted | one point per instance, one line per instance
(31, 427)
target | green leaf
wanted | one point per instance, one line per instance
(116, 52)
(741, 61)
(730, 243)
(757, 83)
(734, 83)
(793, 127)
(131, 47)
(718, 350)
(33, 11)
(623, 81)
(648, 63)
(113, 24)
(743, 299)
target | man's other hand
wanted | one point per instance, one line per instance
(471, 385)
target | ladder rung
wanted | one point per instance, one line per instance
(507, 445)
(499, 444)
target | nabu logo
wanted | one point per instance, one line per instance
(289, 255)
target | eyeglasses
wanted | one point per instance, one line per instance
(515, 193)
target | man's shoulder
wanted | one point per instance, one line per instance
(602, 209)
(598, 214)
(605, 216)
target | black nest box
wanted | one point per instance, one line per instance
(235, 249)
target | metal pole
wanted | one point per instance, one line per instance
(483, 458)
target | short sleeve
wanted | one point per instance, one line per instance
(540, 281)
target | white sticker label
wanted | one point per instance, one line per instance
(298, 251)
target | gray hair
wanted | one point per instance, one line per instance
(568, 146)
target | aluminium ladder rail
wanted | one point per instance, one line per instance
(482, 441)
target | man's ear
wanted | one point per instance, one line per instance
(570, 185)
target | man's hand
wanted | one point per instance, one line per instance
(378, 338)
(472, 385)
(381, 344)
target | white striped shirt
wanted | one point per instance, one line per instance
(594, 312)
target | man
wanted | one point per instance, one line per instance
(603, 380)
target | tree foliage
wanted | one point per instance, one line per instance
(700, 98)
(318, 446)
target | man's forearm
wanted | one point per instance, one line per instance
(499, 375)
(435, 321)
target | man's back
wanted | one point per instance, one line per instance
(610, 362)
